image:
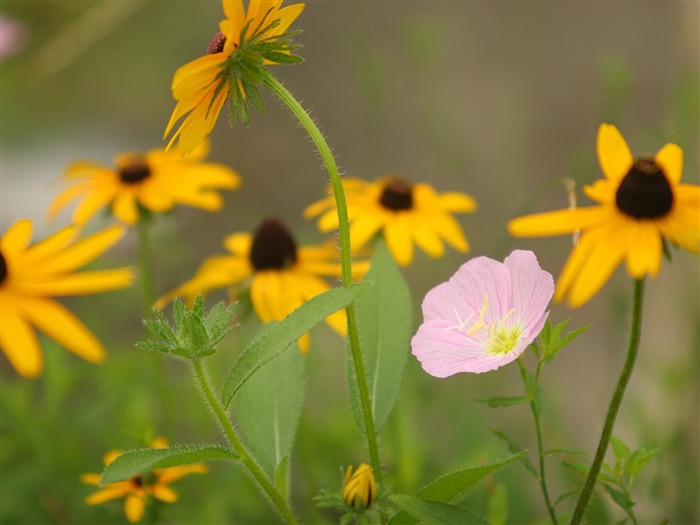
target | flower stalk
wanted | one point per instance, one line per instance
(145, 261)
(531, 389)
(615, 402)
(247, 460)
(344, 239)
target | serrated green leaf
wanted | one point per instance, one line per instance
(179, 312)
(155, 346)
(217, 322)
(385, 328)
(134, 462)
(452, 486)
(553, 342)
(503, 401)
(268, 407)
(435, 511)
(160, 327)
(194, 335)
(515, 449)
(277, 337)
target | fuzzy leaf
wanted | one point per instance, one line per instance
(385, 327)
(282, 477)
(452, 486)
(217, 322)
(503, 401)
(268, 407)
(435, 511)
(134, 462)
(279, 336)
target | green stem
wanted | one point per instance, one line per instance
(246, 459)
(614, 407)
(532, 397)
(145, 262)
(344, 239)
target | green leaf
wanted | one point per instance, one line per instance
(566, 495)
(639, 459)
(268, 407)
(552, 342)
(435, 511)
(282, 477)
(194, 334)
(514, 449)
(582, 468)
(621, 499)
(385, 328)
(279, 336)
(503, 401)
(553, 451)
(134, 462)
(452, 486)
(620, 450)
(217, 322)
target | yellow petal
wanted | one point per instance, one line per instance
(557, 222)
(602, 191)
(19, 342)
(91, 478)
(397, 233)
(456, 202)
(670, 158)
(164, 493)
(427, 239)
(318, 207)
(169, 475)
(78, 283)
(82, 252)
(614, 155)
(64, 198)
(134, 508)
(17, 237)
(449, 229)
(645, 249)
(364, 228)
(61, 325)
(233, 9)
(264, 291)
(48, 249)
(108, 493)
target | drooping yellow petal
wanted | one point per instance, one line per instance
(364, 228)
(17, 237)
(78, 283)
(134, 508)
(82, 252)
(47, 250)
(397, 233)
(66, 329)
(18, 341)
(557, 222)
(456, 202)
(264, 292)
(108, 493)
(95, 200)
(169, 475)
(125, 209)
(670, 158)
(448, 228)
(614, 155)
(164, 493)
(239, 243)
(644, 249)
(427, 238)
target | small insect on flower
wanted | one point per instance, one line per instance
(485, 316)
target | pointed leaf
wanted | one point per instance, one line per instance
(514, 449)
(639, 459)
(452, 486)
(435, 511)
(503, 401)
(268, 407)
(134, 462)
(280, 336)
(620, 450)
(566, 495)
(385, 327)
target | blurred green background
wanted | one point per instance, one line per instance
(497, 99)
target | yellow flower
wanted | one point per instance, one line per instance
(281, 275)
(641, 202)
(156, 180)
(202, 86)
(137, 491)
(30, 276)
(359, 487)
(404, 212)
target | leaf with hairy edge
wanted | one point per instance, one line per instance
(436, 511)
(279, 336)
(268, 407)
(452, 486)
(134, 462)
(385, 327)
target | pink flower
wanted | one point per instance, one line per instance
(485, 316)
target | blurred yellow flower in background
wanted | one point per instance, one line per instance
(405, 213)
(31, 276)
(157, 181)
(201, 86)
(641, 202)
(281, 275)
(137, 490)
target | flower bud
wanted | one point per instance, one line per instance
(359, 487)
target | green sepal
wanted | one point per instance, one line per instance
(279, 336)
(194, 335)
(138, 461)
(451, 487)
(437, 512)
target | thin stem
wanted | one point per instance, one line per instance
(344, 238)
(534, 408)
(614, 407)
(246, 459)
(145, 262)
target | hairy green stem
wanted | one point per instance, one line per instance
(247, 460)
(615, 402)
(344, 239)
(535, 409)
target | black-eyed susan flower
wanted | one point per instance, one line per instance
(281, 275)
(359, 487)
(246, 41)
(30, 278)
(405, 213)
(641, 203)
(156, 181)
(138, 490)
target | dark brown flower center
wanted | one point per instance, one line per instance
(3, 269)
(134, 170)
(137, 481)
(397, 195)
(645, 192)
(217, 44)
(273, 247)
